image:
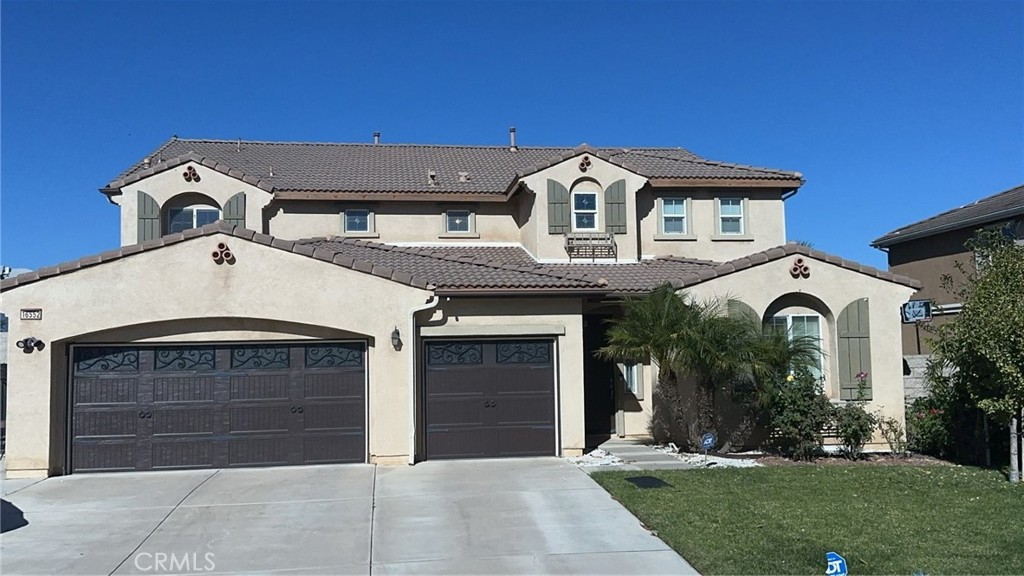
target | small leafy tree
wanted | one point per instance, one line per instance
(984, 346)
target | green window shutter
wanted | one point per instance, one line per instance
(615, 208)
(854, 349)
(149, 218)
(558, 208)
(740, 310)
(234, 210)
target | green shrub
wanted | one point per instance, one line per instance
(854, 424)
(798, 412)
(928, 427)
(892, 431)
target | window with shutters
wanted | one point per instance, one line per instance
(584, 203)
(802, 326)
(195, 216)
(191, 210)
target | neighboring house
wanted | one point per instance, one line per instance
(930, 249)
(290, 303)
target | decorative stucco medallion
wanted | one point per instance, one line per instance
(222, 254)
(190, 175)
(800, 269)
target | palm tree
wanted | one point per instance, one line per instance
(700, 342)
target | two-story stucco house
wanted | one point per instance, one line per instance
(278, 303)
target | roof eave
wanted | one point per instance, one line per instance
(889, 240)
(407, 196)
(781, 183)
(548, 291)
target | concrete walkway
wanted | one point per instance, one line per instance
(637, 454)
(521, 516)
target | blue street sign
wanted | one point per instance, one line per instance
(836, 564)
(707, 441)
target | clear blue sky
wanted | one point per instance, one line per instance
(893, 111)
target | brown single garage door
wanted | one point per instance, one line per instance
(489, 398)
(217, 406)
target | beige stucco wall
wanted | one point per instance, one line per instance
(169, 183)
(180, 293)
(395, 222)
(764, 222)
(552, 246)
(835, 287)
(540, 317)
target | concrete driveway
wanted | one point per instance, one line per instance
(524, 516)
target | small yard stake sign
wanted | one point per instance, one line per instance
(836, 564)
(707, 442)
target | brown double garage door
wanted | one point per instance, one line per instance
(489, 398)
(216, 406)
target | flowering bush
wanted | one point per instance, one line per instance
(927, 427)
(798, 412)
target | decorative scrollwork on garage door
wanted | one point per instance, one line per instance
(524, 353)
(106, 360)
(184, 358)
(441, 353)
(259, 357)
(334, 355)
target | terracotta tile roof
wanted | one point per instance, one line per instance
(492, 270)
(1001, 206)
(403, 168)
(219, 227)
(640, 277)
(790, 249)
(450, 271)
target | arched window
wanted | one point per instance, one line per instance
(585, 214)
(190, 210)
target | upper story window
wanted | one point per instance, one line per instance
(584, 211)
(457, 221)
(673, 216)
(730, 216)
(194, 216)
(358, 221)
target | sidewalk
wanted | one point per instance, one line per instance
(638, 454)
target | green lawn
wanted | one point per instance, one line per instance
(882, 519)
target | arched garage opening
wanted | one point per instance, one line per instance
(213, 393)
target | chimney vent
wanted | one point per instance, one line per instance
(512, 139)
(376, 137)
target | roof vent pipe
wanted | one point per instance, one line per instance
(376, 137)
(512, 139)
(145, 162)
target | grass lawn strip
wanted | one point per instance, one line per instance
(882, 519)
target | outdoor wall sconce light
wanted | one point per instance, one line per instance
(396, 339)
(30, 344)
